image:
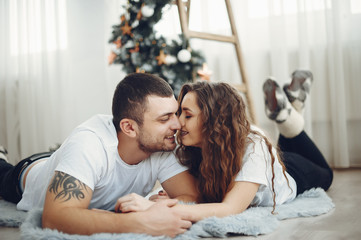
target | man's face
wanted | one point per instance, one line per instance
(160, 125)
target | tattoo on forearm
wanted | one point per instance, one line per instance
(66, 187)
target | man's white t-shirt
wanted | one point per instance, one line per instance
(90, 154)
(256, 168)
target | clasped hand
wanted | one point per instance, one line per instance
(159, 215)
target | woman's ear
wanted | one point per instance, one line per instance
(129, 127)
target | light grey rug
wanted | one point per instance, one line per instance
(9, 216)
(253, 221)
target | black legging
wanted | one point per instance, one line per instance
(305, 163)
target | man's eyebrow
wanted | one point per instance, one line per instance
(165, 114)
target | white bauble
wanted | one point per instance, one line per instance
(135, 24)
(147, 11)
(129, 44)
(169, 59)
(184, 55)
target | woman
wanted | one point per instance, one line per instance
(234, 164)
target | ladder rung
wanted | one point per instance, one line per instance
(211, 36)
(240, 87)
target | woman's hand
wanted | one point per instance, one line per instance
(132, 203)
(160, 196)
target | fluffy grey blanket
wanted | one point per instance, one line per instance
(253, 221)
(9, 216)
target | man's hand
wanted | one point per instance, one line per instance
(158, 218)
(162, 219)
(132, 203)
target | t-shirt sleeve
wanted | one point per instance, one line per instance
(169, 166)
(255, 163)
(83, 157)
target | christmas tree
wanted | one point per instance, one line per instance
(138, 48)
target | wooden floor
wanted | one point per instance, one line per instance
(344, 222)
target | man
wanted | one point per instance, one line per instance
(106, 158)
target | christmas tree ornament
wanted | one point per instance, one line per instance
(184, 56)
(169, 60)
(135, 24)
(122, 18)
(161, 57)
(126, 29)
(147, 11)
(205, 73)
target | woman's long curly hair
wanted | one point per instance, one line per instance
(225, 133)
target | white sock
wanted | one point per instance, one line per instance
(3, 156)
(293, 125)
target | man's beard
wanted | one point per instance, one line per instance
(151, 147)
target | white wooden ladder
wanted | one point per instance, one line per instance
(183, 10)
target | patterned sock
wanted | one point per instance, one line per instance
(299, 88)
(276, 104)
(293, 125)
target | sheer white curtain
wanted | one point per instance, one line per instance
(32, 38)
(53, 70)
(278, 37)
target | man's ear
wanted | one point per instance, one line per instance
(129, 127)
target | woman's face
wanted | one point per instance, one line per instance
(191, 122)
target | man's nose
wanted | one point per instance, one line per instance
(181, 120)
(176, 124)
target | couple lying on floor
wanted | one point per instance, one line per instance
(96, 181)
